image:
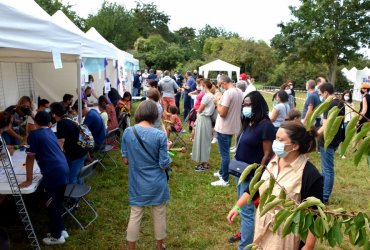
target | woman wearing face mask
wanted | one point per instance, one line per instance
(254, 145)
(17, 132)
(365, 103)
(297, 175)
(5, 124)
(281, 109)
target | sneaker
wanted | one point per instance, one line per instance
(214, 140)
(235, 238)
(217, 174)
(50, 240)
(201, 168)
(65, 234)
(343, 157)
(233, 150)
(220, 183)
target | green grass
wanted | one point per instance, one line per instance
(196, 213)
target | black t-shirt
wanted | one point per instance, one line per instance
(339, 136)
(68, 130)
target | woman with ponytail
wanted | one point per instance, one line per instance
(296, 174)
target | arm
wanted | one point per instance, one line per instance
(364, 106)
(267, 150)
(29, 170)
(274, 114)
(320, 132)
(201, 108)
(243, 200)
(222, 110)
(125, 160)
(309, 111)
(14, 134)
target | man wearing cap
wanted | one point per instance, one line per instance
(364, 105)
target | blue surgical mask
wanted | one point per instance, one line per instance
(47, 110)
(279, 149)
(321, 99)
(247, 112)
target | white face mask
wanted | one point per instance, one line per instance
(288, 91)
(199, 88)
(47, 110)
(346, 98)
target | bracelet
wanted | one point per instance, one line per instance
(237, 208)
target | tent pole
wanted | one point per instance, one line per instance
(78, 62)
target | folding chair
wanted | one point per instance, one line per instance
(75, 194)
(178, 139)
(104, 150)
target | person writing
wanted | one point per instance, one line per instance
(299, 177)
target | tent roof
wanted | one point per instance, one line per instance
(218, 65)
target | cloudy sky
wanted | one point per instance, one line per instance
(256, 19)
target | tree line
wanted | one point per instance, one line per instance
(323, 37)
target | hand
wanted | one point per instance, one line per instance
(305, 247)
(231, 216)
(25, 184)
(169, 144)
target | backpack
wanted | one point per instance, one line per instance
(85, 138)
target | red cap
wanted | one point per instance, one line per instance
(243, 76)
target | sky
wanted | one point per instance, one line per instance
(255, 19)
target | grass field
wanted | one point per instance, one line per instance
(196, 212)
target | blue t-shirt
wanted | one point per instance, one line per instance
(96, 125)
(250, 147)
(312, 99)
(49, 156)
(192, 84)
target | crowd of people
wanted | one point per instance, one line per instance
(216, 112)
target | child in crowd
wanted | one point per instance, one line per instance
(44, 147)
(174, 121)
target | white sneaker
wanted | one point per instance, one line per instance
(217, 174)
(233, 150)
(220, 183)
(343, 157)
(65, 234)
(49, 240)
(214, 140)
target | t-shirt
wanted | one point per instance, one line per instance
(104, 116)
(250, 88)
(229, 125)
(283, 109)
(190, 82)
(250, 148)
(68, 130)
(49, 156)
(339, 136)
(198, 99)
(209, 108)
(176, 122)
(312, 99)
(95, 124)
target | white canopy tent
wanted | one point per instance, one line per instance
(219, 65)
(357, 77)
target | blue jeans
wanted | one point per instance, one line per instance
(75, 167)
(177, 101)
(187, 104)
(327, 164)
(224, 143)
(136, 91)
(247, 217)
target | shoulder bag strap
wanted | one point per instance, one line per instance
(141, 142)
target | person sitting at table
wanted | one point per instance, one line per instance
(5, 124)
(85, 94)
(44, 147)
(67, 102)
(68, 134)
(15, 135)
(43, 105)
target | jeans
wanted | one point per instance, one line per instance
(224, 143)
(327, 164)
(54, 204)
(187, 104)
(75, 167)
(247, 217)
(136, 91)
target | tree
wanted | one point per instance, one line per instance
(52, 6)
(185, 37)
(115, 24)
(158, 53)
(149, 20)
(325, 31)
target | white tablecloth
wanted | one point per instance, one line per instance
(19, 166)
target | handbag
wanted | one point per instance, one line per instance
(236, 167)
(143, 146)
